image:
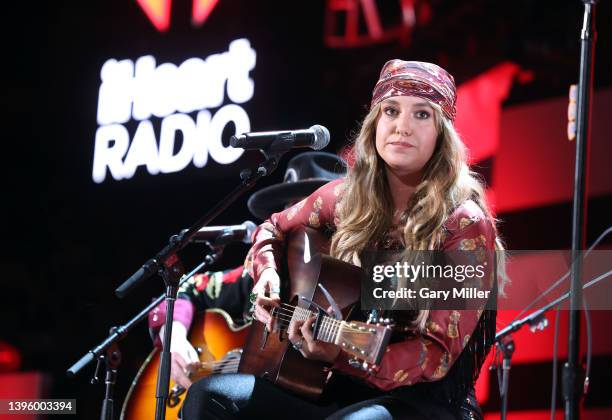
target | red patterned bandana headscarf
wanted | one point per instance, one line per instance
(417, 78)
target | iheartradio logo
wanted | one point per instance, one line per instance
(192, 103)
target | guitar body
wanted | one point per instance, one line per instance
(213, 335)
(273, 357)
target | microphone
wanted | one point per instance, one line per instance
(225, 234)
(315, 137)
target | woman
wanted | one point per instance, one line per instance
(409, 189)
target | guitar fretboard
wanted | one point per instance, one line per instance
(329, 328)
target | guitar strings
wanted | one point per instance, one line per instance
(287, 313)
(217, 364)
(328, 322)
(329, 326)
(229, 367)
(220, 366)
(303, 311)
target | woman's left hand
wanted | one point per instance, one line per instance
(301, 336)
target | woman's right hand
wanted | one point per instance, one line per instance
(267, 296)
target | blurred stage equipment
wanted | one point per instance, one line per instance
(343, 21)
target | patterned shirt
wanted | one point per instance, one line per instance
(227, 290)
(420, 357)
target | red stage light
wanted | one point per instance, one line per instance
(10, 358)
(201, 10)
(158, 12)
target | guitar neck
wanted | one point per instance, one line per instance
(329, 328)
(364, 341)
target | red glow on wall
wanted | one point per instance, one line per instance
(479, 109)
(24, 385)
(534, 166)
(10, 359)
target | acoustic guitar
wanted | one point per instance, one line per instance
(218, 341)
(270, 355)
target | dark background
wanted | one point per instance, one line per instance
(68, 242)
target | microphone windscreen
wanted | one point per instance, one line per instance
(250, 228)
(321, 137)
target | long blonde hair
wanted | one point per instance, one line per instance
(447, 182)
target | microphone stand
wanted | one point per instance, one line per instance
(112, 361)
(537, 321)
(572, 369)
(168, 264)
(504, 342)
(507, 348)
(108, 351)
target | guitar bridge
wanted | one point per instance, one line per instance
(361, 365)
